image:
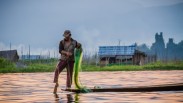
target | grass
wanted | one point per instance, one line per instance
(49, 66)
(176, 65)
(30, 66)
(6, 66)
(152, 66)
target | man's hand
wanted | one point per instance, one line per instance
(68, 54)
(81, 49)
(79, 46)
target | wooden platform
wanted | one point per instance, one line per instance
(166, 87)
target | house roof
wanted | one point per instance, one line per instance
(9, 54)
(116, 50)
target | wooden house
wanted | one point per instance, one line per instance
(120, 55)
(11, 55)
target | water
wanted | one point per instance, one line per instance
(38, 87)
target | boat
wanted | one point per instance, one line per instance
(154, 88)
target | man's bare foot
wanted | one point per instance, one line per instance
(55, 88)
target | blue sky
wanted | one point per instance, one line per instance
(40, 23)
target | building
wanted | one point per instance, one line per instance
(121, 55)
(11, 55)
(33, 57)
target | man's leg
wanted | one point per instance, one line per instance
(60, 66)
(69, 67)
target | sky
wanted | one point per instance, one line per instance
(93, 23)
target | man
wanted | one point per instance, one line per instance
(66, 49)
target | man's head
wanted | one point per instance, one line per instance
(67, 34)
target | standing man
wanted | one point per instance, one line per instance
(66, 49)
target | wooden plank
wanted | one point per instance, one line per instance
(167, 87)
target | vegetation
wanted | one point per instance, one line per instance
(6, 66)
(27, 66)
(49, 66)
(152, 66)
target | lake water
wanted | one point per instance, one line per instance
(38, 87)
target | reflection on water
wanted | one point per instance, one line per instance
(69, 98)
(38, 87)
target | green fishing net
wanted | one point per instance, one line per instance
(77, 66)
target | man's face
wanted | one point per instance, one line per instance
(67, 38)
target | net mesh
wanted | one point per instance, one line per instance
(77, 66)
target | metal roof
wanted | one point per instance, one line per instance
(116, 50)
